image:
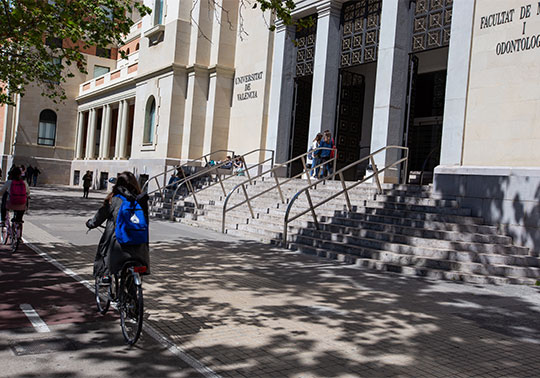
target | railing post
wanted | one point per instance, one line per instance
(334, 164)
(246, 170)
(347, 199)
(279, 189)
(376, 173)
(312, 209)
(248, 202)
(406, 166)
(159, 188)
(220, 182)
(305, 169)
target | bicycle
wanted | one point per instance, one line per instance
(126, 291)
(12, 232)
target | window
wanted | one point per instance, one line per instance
(53, 42)
(158, 12)
(149, 121)
(100, 70)
(127, 51)
(137, 47)
(104, 53)
(47, 128)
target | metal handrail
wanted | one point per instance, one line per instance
(271, 172)
(176, 167)
(187, 179)
(345, 190)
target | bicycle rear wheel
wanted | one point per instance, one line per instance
(14, 237)
(131, 307)
(103, 298)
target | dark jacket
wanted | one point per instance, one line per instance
(325, 153)
(87, 180)
(111, 256)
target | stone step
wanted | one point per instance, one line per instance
(346, 226)
(411, 200)
(355, 219)
(430, 258)
(394, 242)
(415, 215)
(418, 271)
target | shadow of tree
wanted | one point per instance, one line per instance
(248, 309)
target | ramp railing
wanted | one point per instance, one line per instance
(219, 170)
(346, 189)
(173, 168)
(278, 185)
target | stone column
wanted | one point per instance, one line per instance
(391, 86)
(102, 131)
(457, 80)
(91, 135)
(79, 153)
(124, 127)
(326, 70)
(216, 127)
(118, 131)
(281, 93)
(195, 113)
(105, 132)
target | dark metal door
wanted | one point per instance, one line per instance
(300, 122)
(349, 125)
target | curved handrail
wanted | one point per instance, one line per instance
(278, 184)
(345, 190)
(176, 167)
(187, 179)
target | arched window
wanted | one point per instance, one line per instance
(127, 51)
(137, 47)
(47, 128)
(158, 12)
(149, 121)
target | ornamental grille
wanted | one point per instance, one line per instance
(431, 27)
(305, 48)
(361, 22)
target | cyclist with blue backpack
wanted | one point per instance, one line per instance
(125, 238)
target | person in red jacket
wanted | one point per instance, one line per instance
(18, 193)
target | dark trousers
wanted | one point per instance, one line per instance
(86, 190)
(3, 208)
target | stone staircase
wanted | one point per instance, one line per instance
(404, 230)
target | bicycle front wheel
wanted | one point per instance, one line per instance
(131, 308)
(103, 299)
(4, 235)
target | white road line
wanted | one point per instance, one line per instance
(154, 333)
(34, 318)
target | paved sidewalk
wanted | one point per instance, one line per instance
(246, 309)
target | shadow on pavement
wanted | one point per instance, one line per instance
(244, 308)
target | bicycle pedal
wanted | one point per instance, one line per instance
(105, 281)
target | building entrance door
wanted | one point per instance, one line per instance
(349, 120)
(425, 125)
(300, 121)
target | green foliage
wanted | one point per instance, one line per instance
(40, 40)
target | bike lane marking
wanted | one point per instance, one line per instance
(34, 318)
(151, 331)
(55, 297)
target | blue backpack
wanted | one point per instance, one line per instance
(131, 225)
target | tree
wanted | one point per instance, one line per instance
(40, 39)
